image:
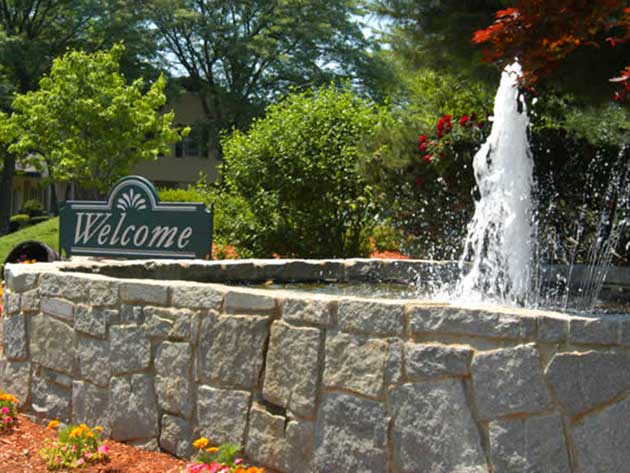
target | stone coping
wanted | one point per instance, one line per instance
(421, 317)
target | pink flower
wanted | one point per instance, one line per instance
(7, 420)
(5, 410)
(104, 449)
(80, 461)
(238, 461)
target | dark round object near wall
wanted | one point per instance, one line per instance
(31, 250)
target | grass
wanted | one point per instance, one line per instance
(46, 232)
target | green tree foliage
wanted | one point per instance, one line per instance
(33, 33)
(243, 54)
(87, 124)
(437, 34)
(292, 179)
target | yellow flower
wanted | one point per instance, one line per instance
(74, 433)
(201, 443)
(53, 424)
(212, 450)
(98, 428)
(9, 398)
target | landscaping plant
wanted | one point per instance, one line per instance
(8, 410)
(76, 446)
(221, 459)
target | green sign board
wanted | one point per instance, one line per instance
(132, 223)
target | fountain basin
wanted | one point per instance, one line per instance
(161, 352)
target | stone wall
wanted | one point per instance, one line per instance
(317, 383)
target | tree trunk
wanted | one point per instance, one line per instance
(6, 193)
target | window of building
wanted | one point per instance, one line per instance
(194, 145)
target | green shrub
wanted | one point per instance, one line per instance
(190, 194)
(291, 183)
(22, 220)
(33, 208)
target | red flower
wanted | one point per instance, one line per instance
(427, 158)
(464, 120)
(423, 146)
(423, 138)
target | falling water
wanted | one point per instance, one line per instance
(497, 261)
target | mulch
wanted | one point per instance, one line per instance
(19, 447)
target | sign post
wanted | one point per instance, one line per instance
(132, 223)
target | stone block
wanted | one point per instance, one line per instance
(52, 344)
(583, 381)
(67, 286)
(394, 362)
(529, 445)
(59, 308)
(103, 293)
(308, 311)
(135, 412)
(355, 363)
(222, 414)
(176, 436)
(130, 349)
(173, 365)
(131, 314)
(428, 360)
(11, 303)
(93, 320)
(601, 439)
(50, 400)
(198, 296)
(351, 435)
(149, 445)
(19, 281)
(14, 337)
(434, 430)
(15, 378)
(244, 302)
(509, 381)
(168, 323)
(553, 329)
(279, 443)
(94, 360)
(90, 405)
(30, 301)
(292, 369)
(595, 331)
(371, 317)
(473, 322)
(240, 341)
(144, 293)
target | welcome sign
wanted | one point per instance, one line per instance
(132, 223)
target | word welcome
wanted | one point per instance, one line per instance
(96, 224)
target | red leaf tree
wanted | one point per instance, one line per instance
(542, 33)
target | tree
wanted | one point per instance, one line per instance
(435, 34)
(547, 35)
(86, 124)
(293, 178)
(33, 33)
(243, 54)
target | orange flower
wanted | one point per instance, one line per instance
(53, 424)
(212, 450)
(201, 443)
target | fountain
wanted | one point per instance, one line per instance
(499, 245)
(161, 352)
